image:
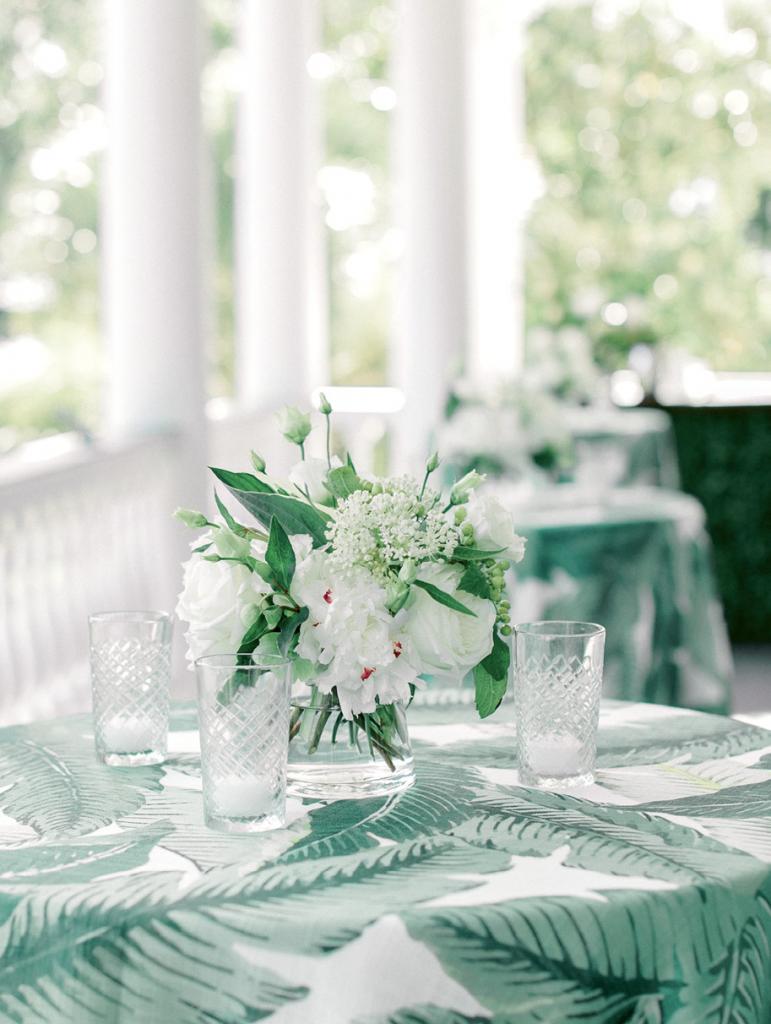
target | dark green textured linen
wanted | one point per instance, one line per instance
(646, 898)
(637, 560)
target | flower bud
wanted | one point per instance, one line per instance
(191, 518)
(461, 490)
(396, 596)
(433, 463)
(324, 407)
(258, 462)
(294, 425)
(408, 572)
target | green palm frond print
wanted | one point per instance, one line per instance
(644, 899)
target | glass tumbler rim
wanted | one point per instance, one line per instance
(131, 615)
(236, 660)
(557, 629)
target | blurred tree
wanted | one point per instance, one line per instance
(654, 142)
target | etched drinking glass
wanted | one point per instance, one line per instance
(243, 716)
(130, 684)
(557, 701)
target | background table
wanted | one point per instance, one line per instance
(466, 899)
(638, 561)
(622, 447)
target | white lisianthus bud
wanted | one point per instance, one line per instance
(294, 425)
(462, 488)
(433, 463)
(408, 572)
(396, 596)
(191, 518)
(257, 462)
(493, 527)
(324, 407)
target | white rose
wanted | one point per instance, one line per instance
(493, 526)
(310, 475)
(219, 601)
(443, 640)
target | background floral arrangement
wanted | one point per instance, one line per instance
(370, 586)
(506, 426)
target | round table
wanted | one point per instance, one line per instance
(622, 447)
(637, 560)
(646, 897)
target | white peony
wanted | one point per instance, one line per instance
(310, 475)
(493, 526)
(219, 600)
(443, 640)
(360, 648)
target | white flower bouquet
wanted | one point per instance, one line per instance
(370, 586)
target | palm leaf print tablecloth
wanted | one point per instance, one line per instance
(645, 898)
(623, 447)
(638, 560)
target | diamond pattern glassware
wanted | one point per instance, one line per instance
(243, 716)
(557, 701)
(130, 685)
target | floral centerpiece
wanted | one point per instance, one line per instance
(370, 586)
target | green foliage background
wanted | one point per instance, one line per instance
(654, 147)
(648, 175)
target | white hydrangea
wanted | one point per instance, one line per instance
(381, 529)
(361, 648)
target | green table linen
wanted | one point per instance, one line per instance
(623, 447)
(645, 898)
(637, 560)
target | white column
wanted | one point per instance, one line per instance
(496, 141)
(430, 181)
(152, 229)
(280, 329)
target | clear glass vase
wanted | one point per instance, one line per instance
(332, 758)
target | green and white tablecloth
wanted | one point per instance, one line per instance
(623, 447)
(638, 561)
(645, 898)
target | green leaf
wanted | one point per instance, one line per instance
(488, 691)
(466, 554)
(294, 515)
(230, 522)
(342, 482)
(289, 627)
(443, 598)
(279, 554)
(262, 569)
(273, 616)
(498, 660)
(474, 581)
(268, 647)
(252, 635)
(303, 669)
(241, 481)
